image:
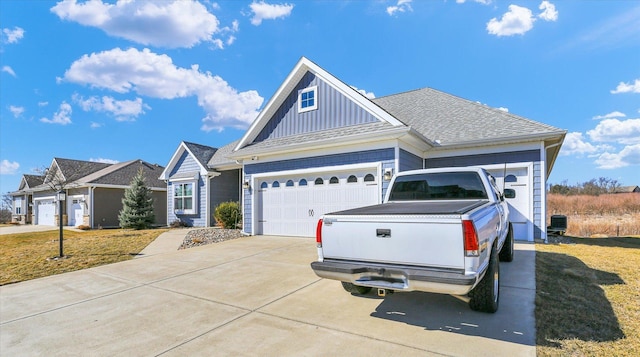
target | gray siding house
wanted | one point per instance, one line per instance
(94, 193)
(319, 145)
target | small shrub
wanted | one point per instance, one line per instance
(178, 223)
(228, 215)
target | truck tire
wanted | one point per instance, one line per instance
(486, 295)
(355, 289)
(506, 253)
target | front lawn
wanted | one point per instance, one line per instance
(29, 255)
(588, 297)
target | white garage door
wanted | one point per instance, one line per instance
(520, 210)
(46, 212)
(291, 205)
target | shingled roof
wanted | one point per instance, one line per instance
(202, 153)
(450, 120)
(121, 174)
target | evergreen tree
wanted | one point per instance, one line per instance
(137, 205)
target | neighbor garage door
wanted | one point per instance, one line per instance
(291, 205)
(46, 211)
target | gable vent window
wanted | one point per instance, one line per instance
(308, 99)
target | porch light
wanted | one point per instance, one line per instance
(246, 185)
(388, 174)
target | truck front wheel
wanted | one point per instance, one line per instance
(486, 295)
(355, 289)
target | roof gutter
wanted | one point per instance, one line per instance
(507, 140)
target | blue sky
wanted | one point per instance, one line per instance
(119, 80)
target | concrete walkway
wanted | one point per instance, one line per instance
(166, 242)
(253, 296)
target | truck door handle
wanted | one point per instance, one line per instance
(383, 233)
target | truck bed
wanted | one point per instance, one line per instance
(414, 208)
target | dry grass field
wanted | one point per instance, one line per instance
(588, 291)
(598, 216)
(29, 255)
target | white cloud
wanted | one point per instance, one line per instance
(8, 70)
(628, 156)
(369, 95)
(517, 21)
(503, 109)
(627, 87)
(8, 168)
(124, 110)
(16, 111)
(263, 11)
(43, 104)
(400, 6)
(95, 125)
(549, 12)
(575, 144)
(615, 114)
(104, 161)
(62, 116)
(153, 75)
(484, 2)
(12, 36)
(172, 24)
(613, 130)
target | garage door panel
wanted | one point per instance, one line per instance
(294, 210)
(46, 212)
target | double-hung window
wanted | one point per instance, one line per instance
(308, 99)
(184, 198)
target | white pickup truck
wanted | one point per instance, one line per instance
(438, 230)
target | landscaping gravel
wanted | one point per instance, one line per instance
(198, 237)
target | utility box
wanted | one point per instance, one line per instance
(558, 225)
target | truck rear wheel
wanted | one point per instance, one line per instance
(486, 295)
(355, 289)
(506, 253)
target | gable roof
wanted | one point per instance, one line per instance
(30, 181)
(452, 121)
(72, 170)
(201, 153)
(221, 158)
(303, 66)
(121, 174)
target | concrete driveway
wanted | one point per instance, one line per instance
(253, 296)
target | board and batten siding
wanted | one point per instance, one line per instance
(323, 163)
(334, 111)
(532, 156)
(188, 165)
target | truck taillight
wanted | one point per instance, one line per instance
(471, 245)
(319, 233)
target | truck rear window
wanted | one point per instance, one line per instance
(438, 186)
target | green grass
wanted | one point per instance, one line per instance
(28, 256)
(588, 297)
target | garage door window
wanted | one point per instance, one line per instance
(275, 184)
(319, 181)
(333, 180)
(264, 185)
(369, 178)
(302, 182)
(352, 179)
(511, 178)
(289, 183)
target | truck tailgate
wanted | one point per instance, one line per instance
(407, 240)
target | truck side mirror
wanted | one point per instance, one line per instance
(509, 193)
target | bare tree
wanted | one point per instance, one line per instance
(6, 208)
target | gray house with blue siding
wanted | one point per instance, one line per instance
(319, 145)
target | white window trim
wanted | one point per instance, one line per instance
(315, 99)
(194, 192)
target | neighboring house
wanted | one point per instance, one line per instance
(627, 189)
(94, 193)
(320, 146)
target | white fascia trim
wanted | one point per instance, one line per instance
(44, 198)
(353, 167)
(520, 139)
(292, 79)
(174, 160)
(432, 154)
